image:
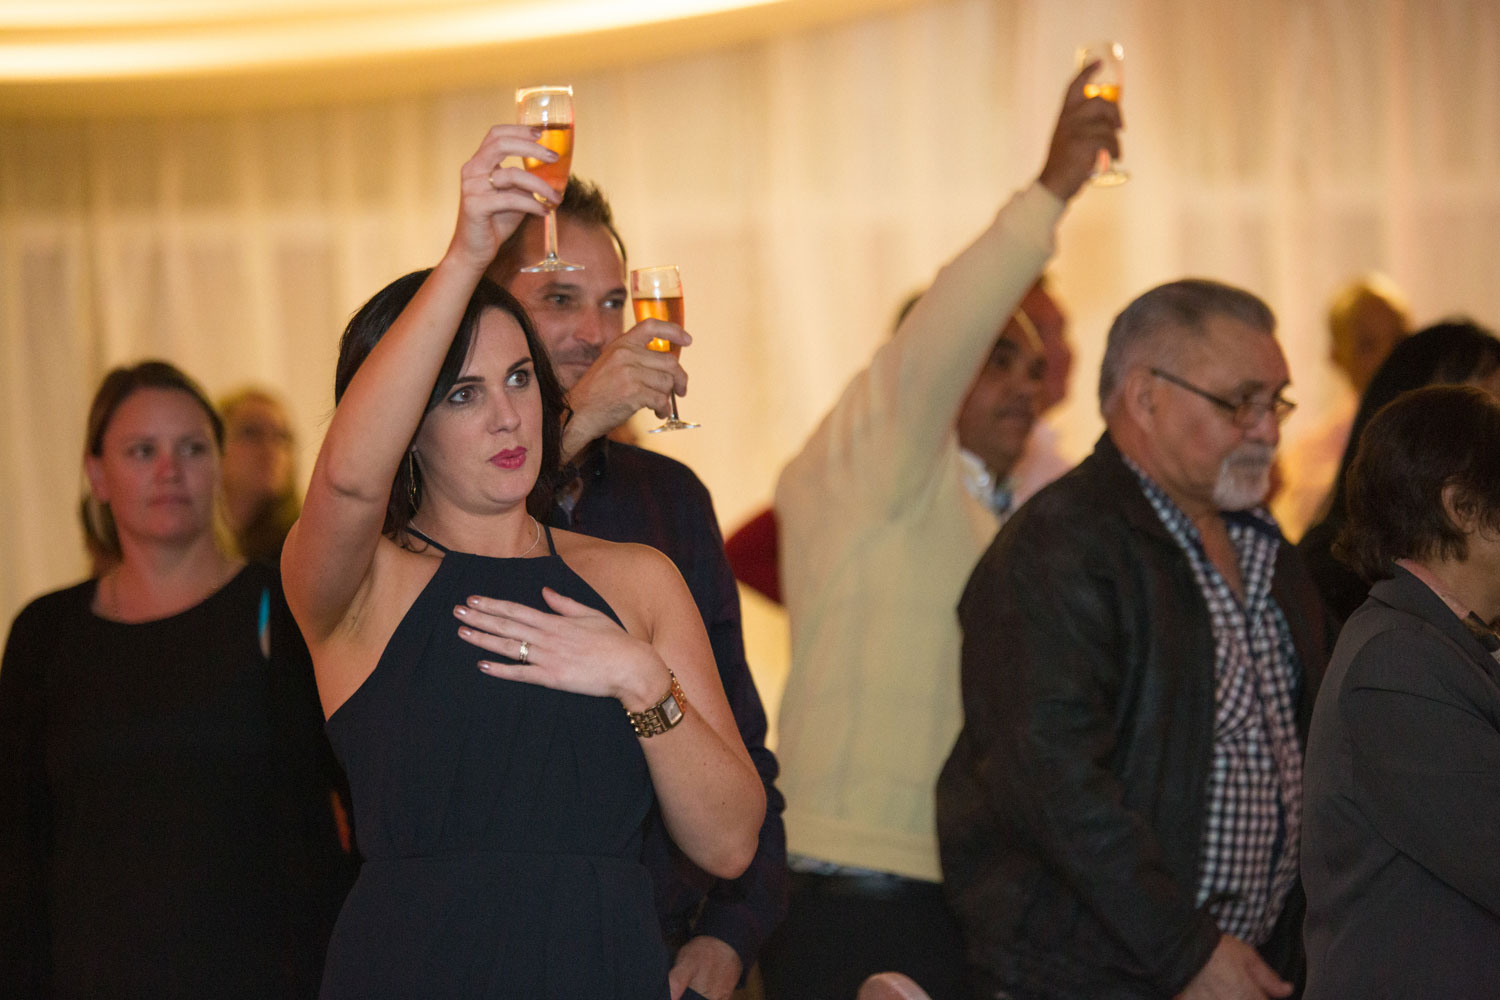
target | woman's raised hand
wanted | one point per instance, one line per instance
(572, 648)
(495, 199)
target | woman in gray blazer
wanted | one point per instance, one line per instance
(1401, 824)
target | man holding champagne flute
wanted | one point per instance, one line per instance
(881, 521)
(627, 494)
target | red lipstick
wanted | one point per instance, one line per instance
(510, 458)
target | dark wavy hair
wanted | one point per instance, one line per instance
(1425, 442)
(375, 317)
(119, 385)
(1447, 353)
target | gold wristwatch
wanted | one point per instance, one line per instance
(662, 716)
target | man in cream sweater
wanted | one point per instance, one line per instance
(883, 514)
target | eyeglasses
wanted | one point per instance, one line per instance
(1246, 413)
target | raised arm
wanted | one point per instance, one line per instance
(890, 424)
(330, 550)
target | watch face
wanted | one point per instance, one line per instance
(671, 712)
(659, 718)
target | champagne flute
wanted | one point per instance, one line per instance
(1107, 83)
(551, 109)
(656, 293)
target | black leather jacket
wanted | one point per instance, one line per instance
(1070, 812)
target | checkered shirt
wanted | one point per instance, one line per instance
(1254, 803)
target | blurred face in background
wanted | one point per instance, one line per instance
(259, 462)
(1004, 400)
(1052, 328)
(1365, 336)
(158, 468)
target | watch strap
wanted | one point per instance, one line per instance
(665, 714)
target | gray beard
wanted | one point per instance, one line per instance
(1245, 477)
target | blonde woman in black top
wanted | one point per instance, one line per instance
(165, 819)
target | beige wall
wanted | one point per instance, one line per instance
(804, 181)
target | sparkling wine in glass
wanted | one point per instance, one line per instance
(551, 110)
(1107, 83)
(656, 293)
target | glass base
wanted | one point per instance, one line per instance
(674, 425)
(1113, 177)
(551, 264)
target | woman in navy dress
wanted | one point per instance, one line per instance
(506, 699)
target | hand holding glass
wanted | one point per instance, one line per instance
(551, 110)
(656, 293)
(1107, 82)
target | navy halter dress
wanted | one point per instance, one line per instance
(500, 822)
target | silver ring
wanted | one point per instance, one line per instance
(524, 651)
(492, 178)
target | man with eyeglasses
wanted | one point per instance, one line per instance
(1120, 815)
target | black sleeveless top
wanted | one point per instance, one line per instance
(500, 821)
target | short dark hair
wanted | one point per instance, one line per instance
(1424, 442)
(119, 385)
(583, 202)
(1447, 353)
(1184, 305)
(375, 317)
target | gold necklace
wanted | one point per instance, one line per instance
(534, 540)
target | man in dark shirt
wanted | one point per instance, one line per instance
(623, 493)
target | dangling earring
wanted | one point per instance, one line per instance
(411, 478)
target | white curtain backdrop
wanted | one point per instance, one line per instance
(805, 184)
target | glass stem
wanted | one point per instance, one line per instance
(551, 233)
